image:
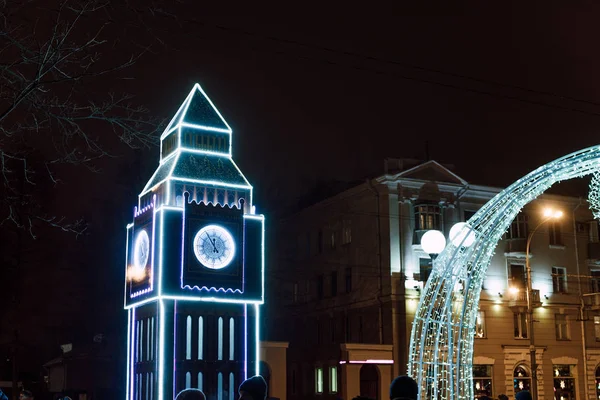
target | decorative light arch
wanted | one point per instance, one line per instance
(441, 345)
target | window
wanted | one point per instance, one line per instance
(348, 279)
(520, 325)
(427, 216)
(518, 228)
(200, 338)
(593, 232)
(295, 292)
(598, 382)
(332, 240)
(597, 328)
(318, 380)
(346, 231)
(320, 241)
(188, 338)
(482, 380)
(232, 390)
(425, 268)
(480, 325)
(232, 339)
(220, 338)
(188, 380)
(564, 382)
(293, 379)
(559, 280)
(220, 386)
(333, 380)
(595, 281)
(521, 379)
(200, 381)
(334, 279)
(555, 234)
(320, 287)
(517, 276)
(562, 327)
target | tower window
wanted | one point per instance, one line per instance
(231, 339)
(200, 338)
(188, 338)
(220, 340)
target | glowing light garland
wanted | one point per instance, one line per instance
(443, 331)
(594, 195)
(185, 167)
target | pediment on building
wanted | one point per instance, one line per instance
(434, 172)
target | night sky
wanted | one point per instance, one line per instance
(320, 94)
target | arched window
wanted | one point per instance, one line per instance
(220, 339)
(188, 338)
(200, 380)
(231, 387)
(220, 386)
(188, 380)
(200, 338)
(521, 378)
(231, 339)
(598, 382)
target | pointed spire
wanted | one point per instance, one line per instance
(197, 112)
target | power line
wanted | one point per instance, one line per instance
(412, 66)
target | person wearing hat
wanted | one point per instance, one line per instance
(404, 388)
(254, 388)
(190, 394)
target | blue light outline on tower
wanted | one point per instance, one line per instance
(198, 163)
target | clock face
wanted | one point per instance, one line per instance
(214, 247)
(141, 250)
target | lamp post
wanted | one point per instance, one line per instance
(548, 215)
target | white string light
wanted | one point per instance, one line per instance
(443, 331)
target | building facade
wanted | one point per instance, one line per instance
(350, 271)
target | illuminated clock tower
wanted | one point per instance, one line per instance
(194, 265)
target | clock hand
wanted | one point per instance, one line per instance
(214, 243)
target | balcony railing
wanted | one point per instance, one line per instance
(519, 298)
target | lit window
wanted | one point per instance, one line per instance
(200, 380)
(200, 338)
(564, 382)
(148, 339)
(562, 327)
(333, 380)
(482, 380)
(141, 344)
(520, 325)
(598, 382)
(319, 380)
(555, 234)
(347, 231)
(220, 340)
(521, 379)
(559, 280)
(188, 338)
(480, 325)
(427, 216)
(220, 386)
(188, 380)
(597, 328)
(518, 228)
(231, 339)
(231, 387)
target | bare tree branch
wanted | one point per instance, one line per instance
(49, 109)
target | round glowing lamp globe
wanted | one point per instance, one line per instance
(433, 242)
(461, 234)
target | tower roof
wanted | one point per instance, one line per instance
(197, 112)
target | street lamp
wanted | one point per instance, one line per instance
(549, 214)
(433, 242)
